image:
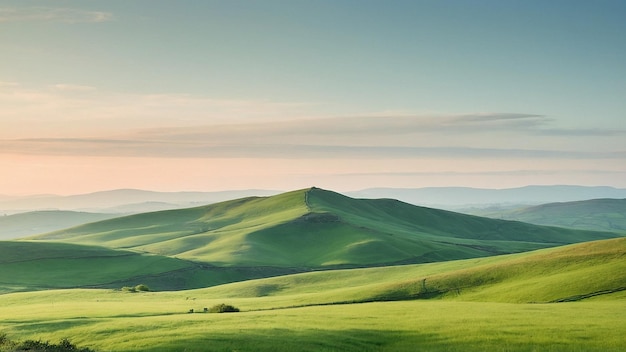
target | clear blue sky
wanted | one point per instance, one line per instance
(373, 93)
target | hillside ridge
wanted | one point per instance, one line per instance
(317, 228)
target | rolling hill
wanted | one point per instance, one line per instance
(594, 214)
(315, 228)
(31, 266)
(37, 222)
(591, 270)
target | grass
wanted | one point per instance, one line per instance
(382, 326)
(310, 312)
(39, 265)
(566, 273)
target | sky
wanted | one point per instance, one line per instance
(220, 95)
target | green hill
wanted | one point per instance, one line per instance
(569, 273)
(594, 214)
(28, 266)
(317, 228)
(37, 222)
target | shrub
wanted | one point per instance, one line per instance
(138, 288)
(40, 346)
(142, 287)
(223, 308)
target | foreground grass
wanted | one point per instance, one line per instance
(382, 326)
(473, 305)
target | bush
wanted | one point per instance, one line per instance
(223, 308)
(40, 346)
(142, 287)
(138, 288)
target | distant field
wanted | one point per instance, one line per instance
(37, 222)
(594, 214)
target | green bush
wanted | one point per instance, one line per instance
(223, 308)
(138, 288)
(39, 346)
(142, 287)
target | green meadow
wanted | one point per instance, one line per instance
(503, 303)
(121, 325)
(313, 270)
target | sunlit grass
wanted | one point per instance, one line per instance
(382, 326)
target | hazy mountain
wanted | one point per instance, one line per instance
(594, 214)
(111, 201)
(460, 197)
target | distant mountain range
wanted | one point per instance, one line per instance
(122, 200)
(593, 214)
(451, 198)
(462, 197)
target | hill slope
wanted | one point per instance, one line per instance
(317, 228)
(36, 222)
(594, 214)
(31, 266)
(570, 273)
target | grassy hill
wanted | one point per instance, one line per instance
(591, 270)
(37, 222)
(594, 214)
(317, 228)
(28, 266)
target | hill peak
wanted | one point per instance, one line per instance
(314, 227)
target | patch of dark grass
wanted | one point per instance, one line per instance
(65, 345)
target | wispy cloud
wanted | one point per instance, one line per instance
(80, 120)
(210, 149)
(362, 127)
(51, 14)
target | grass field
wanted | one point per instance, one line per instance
(118, 322)
(27, 266)
(309, 312)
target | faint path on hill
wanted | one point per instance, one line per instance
(588, 295)
(306, 200)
